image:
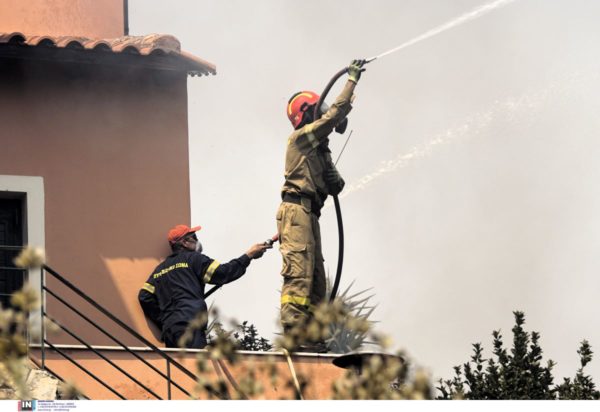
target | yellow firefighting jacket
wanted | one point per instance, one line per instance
(308, 155)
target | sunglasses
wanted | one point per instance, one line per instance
(192, 237)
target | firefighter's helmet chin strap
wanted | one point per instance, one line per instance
(336, 201)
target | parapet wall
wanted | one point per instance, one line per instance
(270, 370)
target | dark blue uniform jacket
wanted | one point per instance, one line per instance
(174, 293)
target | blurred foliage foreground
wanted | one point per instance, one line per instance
(16, 328)
(380, 377)
(514, 374)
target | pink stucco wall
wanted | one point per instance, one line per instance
(111, 144)
(86, 18)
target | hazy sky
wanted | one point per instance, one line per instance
(480, 144)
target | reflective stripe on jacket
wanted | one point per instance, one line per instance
(305, 158)
(174, 292)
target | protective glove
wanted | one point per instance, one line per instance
(334, 181)
(355, 69)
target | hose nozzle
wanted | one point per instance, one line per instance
(274, 239)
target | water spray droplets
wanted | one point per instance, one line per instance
(522, 108)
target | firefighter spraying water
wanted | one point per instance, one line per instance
(310, 176)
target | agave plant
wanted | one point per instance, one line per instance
(343, 337)
(214, 327)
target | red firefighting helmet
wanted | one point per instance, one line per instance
(299, 104)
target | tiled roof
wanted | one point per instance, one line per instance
(157, 46)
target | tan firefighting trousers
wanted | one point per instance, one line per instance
(303, 271)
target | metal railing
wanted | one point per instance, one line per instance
(46, 345)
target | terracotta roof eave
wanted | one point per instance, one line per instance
(201, 65)
(159, 51)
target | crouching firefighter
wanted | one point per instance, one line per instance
(310, 176)
(173, 295)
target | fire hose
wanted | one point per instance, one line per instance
(336, 200)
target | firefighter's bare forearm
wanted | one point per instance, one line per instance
(256, 251)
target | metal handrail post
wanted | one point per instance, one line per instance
(43, 310)
(168, 380)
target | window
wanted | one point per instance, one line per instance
(11, 242)
(22, 205)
